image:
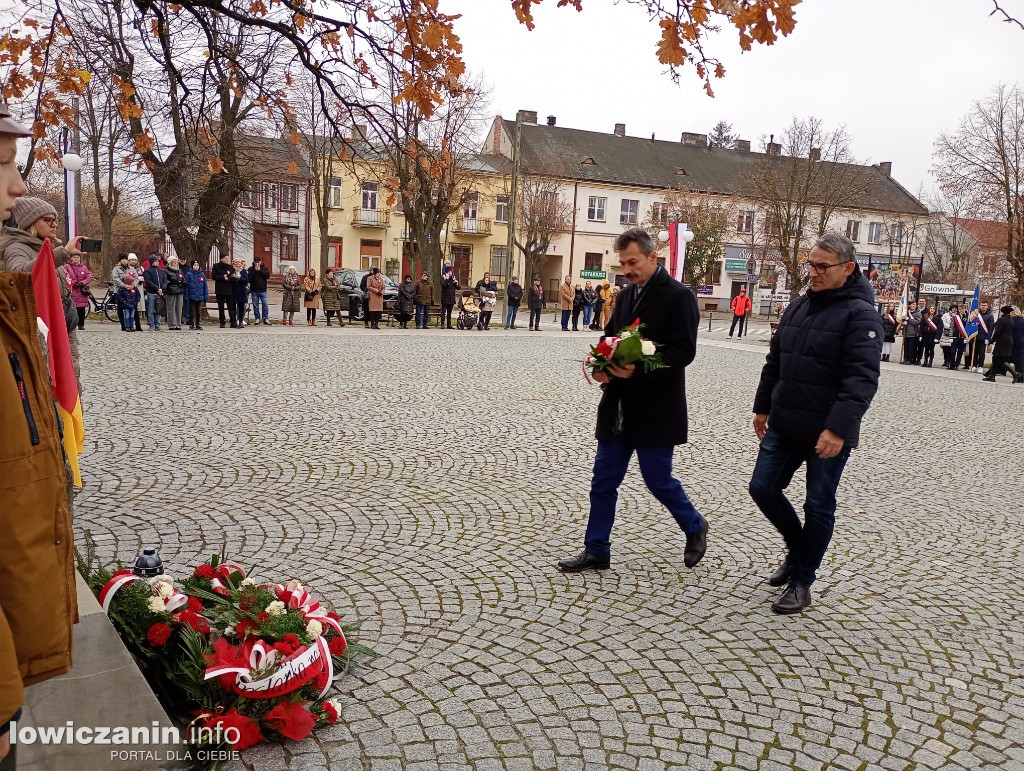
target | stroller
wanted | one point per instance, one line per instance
(469, 312)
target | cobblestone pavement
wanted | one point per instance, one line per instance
(428, 481)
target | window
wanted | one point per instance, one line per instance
(592, 260)
(269, 195)
(370, 252)
(289, 198)
(629, 212)
(773, 226)
(369, 195)
(334, 250)
(499, 264)
(289, 246)
(595, 209)
(461, 256)
(745, 222)
(251, 198)
(469, 209)
(501, 209)
(796, 224)
(714, 274)
(853, 230)
(334, 193)
(659, 213)
(896, 234)
(875, 233)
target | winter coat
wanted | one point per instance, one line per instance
(535, 299)
(155, 279)
(1002, 337)
(485, 286)
(823, 363)
(424, 292)
(175, 281)
(19, 250)
(948, 333)
(929, 335)
(330, 293)
(649, 408)
(258, 277)
(129, 298)
(222, 273)
(240, 287)
(589, 297)
(117, 276)
(37, 591)
(605, 293)
(514, 294)
(449, 286)
(990, 322)
(913, 323)
(407, 298)
(889, 327)
(577, 300)
(1018, 339)
(198, 288)
(80, 280)
(291, 284)
(311, 288)
(566, 293)
(375, 293)
(741, 305)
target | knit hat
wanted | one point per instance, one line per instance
(133, 256)
(27, 210)
(129, 276)
(1006, 309)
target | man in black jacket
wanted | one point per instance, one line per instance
(155, 281)
(818, 380)
(981, 341)
(258, 274)
(513, 298)
(1002, 352)
(644, 412)
(222, 273)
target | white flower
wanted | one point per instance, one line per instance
(648, 347)
(165, 590)
(276, 608)
(336, 703)
(314, 628)
(247, 582)
(156, 605)
(161, 579)
(229, 631)
(626, 334)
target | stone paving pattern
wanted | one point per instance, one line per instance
(427, 482)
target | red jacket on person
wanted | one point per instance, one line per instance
(741, 305)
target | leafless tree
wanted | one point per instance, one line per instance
(708, 216)
(950, 252)
(543, 212)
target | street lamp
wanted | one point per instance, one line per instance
(72, 163)
(678, 237)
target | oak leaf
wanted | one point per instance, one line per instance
(216, 166)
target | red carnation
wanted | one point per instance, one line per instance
(284, 649)
(337, 645)
(191, 619)
(292, 721)
(330, 713)
(243, 626)
(292, 640)
(261, 617)
(249, 732)
(204, 571)
(195, 605)
(158, 634)
(245, 604)
(226, 654)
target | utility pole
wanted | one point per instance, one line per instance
(513, 207)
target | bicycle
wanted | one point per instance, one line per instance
(107, 306)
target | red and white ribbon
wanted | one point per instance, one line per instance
(113, 586)
(312, 663)
(308, 605)
(224, 571)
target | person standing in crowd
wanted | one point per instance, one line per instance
(958, 337)
(911, 334)
(589, 298)
(741, 306)
(487, 303)
(644, 412)
(34, 220)
(931, 330)
(175, 293)
(599, 301)
(1018, 343)
(577, 307)
(424, 299)
(889, 325)
(117, 274)
(291, 286)
(606, 305)
(611, 302)
(222, 273)
(198, 294)
(946, 341)
(259, 276)
(80, 292)
(366, 298)
(311, 287)
(136, 268)
(128, 296)
(566, 293)
(239, 292)
(155, 281)
(406, 302)
(981, 341)
(535, 302)
(486, 284)
(1002, 351)
(449, 288)
(818, 380)
(331, 293)
(513, 298)
(375, 292)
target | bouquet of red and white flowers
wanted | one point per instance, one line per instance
(629, 347)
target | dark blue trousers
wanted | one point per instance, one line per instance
(610, 469)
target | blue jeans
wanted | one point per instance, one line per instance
(588, 314)
(151, 315)
(129, 318)
(259, 299)
(565, 319)
(777, 461)
(422, 311)
(534, 318)
(609, 470)
(510, 318)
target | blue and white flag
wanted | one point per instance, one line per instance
(973, 315)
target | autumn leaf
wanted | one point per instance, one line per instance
(216, 166)
(84, 76)
(670, 48)
(144, 143)
(293, 168)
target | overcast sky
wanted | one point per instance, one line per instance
(895, 72)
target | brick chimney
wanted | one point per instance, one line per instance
(774, 148)
(815, 154)
(551, 120)
(743, 144)
(886, 168)
(689, 138)
(620, 129)
(527, 116)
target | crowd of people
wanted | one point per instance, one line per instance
(925, 326)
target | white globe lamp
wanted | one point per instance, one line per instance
(72, 162)
(687, 235)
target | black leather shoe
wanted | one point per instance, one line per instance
(696, 545)
(781, 575)
(584, 561)
(793, 600)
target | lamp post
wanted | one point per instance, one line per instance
(678, 236)
(72, 163)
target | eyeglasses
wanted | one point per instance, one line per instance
(821, 267)
(49, 220)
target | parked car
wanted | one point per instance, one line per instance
(352, 297)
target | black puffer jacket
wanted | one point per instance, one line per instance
(822, 368)
(448, 288)
(1002, 337)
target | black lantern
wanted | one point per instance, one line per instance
(148, 564)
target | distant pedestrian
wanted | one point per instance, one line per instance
(406, 302)
(331, 294)
(577, 307)
(155, 280)
(589, 300)
(487, 303)
(222, 273)
(198, 294)
(449, 289)
(239, 292)
(311, 288)
(259, 276)
(80, 292)
(424, 299)
(986, 323)
(606, 304)
(1002, 350)
(889, 326)
(946, 340)
(117, 276)
(1018, 343)
(128, 295)
(741, 306)
(291, 301)
(174, 296)
(513, 298)
(958, 337)
(610, 308)
(931, 331)
(365, 298)
(818, 380)
(911, 336)
(485, 284)
(535, 302)
(375, 297)
(566, 294)
(599, 302)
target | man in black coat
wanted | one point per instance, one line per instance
(1002, 352)
(259, 274)
(818, 380)
(644, 412)
(513, 299)
(222, 273)
(986, 324)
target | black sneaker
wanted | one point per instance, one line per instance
(584, 561)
